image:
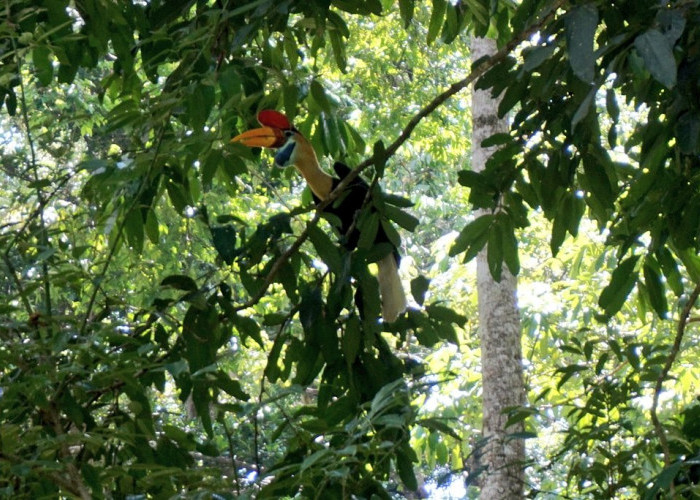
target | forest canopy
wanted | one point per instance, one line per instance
(179, 318)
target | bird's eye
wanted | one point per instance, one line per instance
(288, 133)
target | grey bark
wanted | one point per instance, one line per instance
(499, 331)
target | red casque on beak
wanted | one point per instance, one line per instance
(264, 137)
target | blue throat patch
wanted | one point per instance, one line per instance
(283, 155)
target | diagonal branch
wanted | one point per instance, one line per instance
(675, 349)
(405, 134)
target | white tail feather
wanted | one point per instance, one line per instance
(390, 288)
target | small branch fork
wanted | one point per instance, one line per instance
(405, 134)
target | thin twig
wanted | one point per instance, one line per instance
(32, 167)
(120, 230)
(256, 427)
(680, 331)
(13, 240)
(232, 452)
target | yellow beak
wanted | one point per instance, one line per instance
(264, 137)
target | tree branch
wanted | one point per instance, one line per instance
(405, 134)
(680, 331)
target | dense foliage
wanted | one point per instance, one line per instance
(178, 320)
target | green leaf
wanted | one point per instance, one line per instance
(657, 55)
(396, 200)
(41, 57)
(248, 328)
(597, 180)
(405, 469)
(368, 230)
(419, 287)
(210, 166)
(472, 237)
(613, 296)
(230, 386)
(380, 157)
(319, 96)
(180, 282)
(509, 243)
(655, 287)
(445, 314)
(567, 218)
(391, 233)
(437, 16)
(519, 414)
(177, 196)
(498, 139)
(406, 11)
(403, 219)
(326, 248)
(494, 252)
(568, 372)
(662, 482)
(498, 76)
(438, 425)
(514, 94)
(199, 105)
(310, 309)
(670, 270)
(133, 227)
(338, 47)
(151, 227)
(272, 370)
(224, 239)
(11, 102)
(583, 109)
(536, 56)
(558, 231)
(352, 339)
(611, 105)
(687, 131)
(318, 456)
(581, 24)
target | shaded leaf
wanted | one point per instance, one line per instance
(440, 426)
(405, 469)
(326, 249)
(319, 96)
(419, 287)
(472, 237)
(658, 56)
(614, 295)
(581, 25)
(180, 282)
(41, 57)
(224, 239)
(406, 11)
(403, 219)
(655, 287)
(437, 16)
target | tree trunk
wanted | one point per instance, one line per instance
(499, 331)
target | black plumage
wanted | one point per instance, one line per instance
(347, 208)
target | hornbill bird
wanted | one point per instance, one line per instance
(293, 149)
